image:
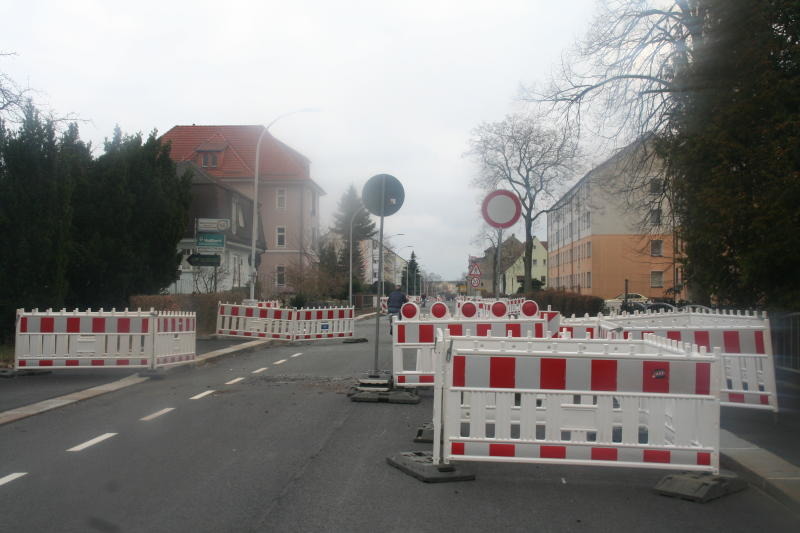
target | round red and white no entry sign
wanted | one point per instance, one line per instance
(501, 209)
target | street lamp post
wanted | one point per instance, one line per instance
(253, 272)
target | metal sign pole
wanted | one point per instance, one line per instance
(379, 286)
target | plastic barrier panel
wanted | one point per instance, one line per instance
(175, 338)
(284, 324)
(647, 404)
(746, 351)
(91, 339)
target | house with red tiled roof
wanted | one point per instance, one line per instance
(288, 197)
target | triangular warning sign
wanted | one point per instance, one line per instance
(474, 270)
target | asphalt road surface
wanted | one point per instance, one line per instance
(269, 441)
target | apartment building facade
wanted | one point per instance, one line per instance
(514, 276)
(393, 265)
(288, 197)
(601, 232)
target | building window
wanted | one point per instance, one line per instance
(656, 278)
(280, 198)
(588, 280)
(655, 186)
(655, 217)
(543, 279)
(209, 159)
(657, 248)
(280, 237)
(533, 261)
(280, 276)
(589, 249)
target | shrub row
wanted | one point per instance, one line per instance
(568, 303)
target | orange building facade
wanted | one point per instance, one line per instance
(597, 239)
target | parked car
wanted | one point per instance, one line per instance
(635, 300)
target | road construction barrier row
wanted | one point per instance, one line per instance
(236, 320)
(414, 335)
(743, 338)
(650, 403)
(91, 339)
(269, 303)
(488, 307)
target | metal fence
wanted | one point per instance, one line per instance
(786, 340)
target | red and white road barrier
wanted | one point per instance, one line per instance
(269, 304)
(743, 338)
(652, 403)
(414, 336)
(84, 339)
(746, 351)
(235, 320)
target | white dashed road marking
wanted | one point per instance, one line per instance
(157, 414)
(233, 381)
(202, 395)
(92, 442)
(298, 354)
(260, 370)
(279, 362)
(11, 477)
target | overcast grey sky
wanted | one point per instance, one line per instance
(399, 84)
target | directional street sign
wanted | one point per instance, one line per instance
(213, 225)
(211, 243)
(474, 270)
(201, 260)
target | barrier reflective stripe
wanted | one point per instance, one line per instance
(647, 404)
(579, 373)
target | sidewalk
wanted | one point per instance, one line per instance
(763, 447)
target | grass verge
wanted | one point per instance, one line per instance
(6, 355)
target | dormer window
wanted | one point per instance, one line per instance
(209, 160)
(211, 153)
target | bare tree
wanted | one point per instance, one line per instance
(620, 84)
(13, 98)
(530, 156)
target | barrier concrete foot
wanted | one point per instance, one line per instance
(353, 340)
(420, 465)
(425, 433)
(700, 487)
(390, 396)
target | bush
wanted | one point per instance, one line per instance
(205, 305)
(568, 303)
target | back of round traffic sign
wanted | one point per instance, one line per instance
(383, 195)
(501, 209)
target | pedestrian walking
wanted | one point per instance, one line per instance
(396, 300)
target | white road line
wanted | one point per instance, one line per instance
(279, 362)
(156, 414)
(233, 381)
(202, 394)
(298, 354)
(11, 477)
(260, 370)
(92, 442)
